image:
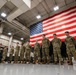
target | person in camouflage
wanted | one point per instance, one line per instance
(56, 42)
(11, 53)
(45, 50)
(37, 52)
(17, 53)
(70, 46)
(22, 51)
(4, 53)
(28, 49)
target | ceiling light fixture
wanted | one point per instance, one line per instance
(3, 14)
(56, 8)
(9, 33)
(22, 38)
(38, 17)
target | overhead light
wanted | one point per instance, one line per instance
(22, 38)
(56, 8)
(38, 17)
(9, 33)
(3, 14)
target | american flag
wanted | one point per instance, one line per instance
(58, 23)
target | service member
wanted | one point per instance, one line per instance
(27, 52)
(22, 51)
(11, 53)
(45, 50)
(4, 54)
(70, 46)
(17, 53)
(56, 42)
(37, 52)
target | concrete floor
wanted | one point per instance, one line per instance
(30, 69)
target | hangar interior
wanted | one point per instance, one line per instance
(16, 19)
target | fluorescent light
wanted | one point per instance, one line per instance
(22, 38)
(38, 17)
(9, 33)
(3, 15)
(56, 8)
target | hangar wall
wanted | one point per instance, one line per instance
(5, 40)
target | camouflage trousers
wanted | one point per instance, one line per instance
(27, 56)
(4, 56)
(57, 53)
(16, 57)
(45, 54)
(70, 52)
(37, 55)
(22, 56)
(11, 57)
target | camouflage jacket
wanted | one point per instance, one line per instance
(12, 51)
(22, 50)
(28, 47)
(45, 43)
(70, 41)
(56, 42)
(17, 48)
(36, 46)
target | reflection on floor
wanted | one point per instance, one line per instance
(30, 69)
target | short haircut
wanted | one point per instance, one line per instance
(54, 34)
(67, 32)
(17, 42)
(43, 34)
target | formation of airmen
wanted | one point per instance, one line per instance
(25, 51)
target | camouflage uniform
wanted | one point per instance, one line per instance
(17, 53)
(27, 52)
(70, 47)
(4, 54)
(45, 50)
(11, 53)
(56, 42)
(22, 50)
(36, 52)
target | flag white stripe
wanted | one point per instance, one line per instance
(55, 17)
(59, 22)
(61, 27)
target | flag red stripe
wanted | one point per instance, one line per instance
(60, 17)
(62, 21)
(60, 13)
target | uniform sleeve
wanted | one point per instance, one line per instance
(65, 41)
(74, 41)
(31, 47)
(25, 48)
(48, 42)
(39, 46)
(60, 42)
(52, 42)
(13, 51)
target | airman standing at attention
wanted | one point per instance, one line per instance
(28, 49)
(17, 53)
(11, 53)
(37, 52)
(70, 46)
(22, 51)
(4, 53)
(45, 50)
(56, 42)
